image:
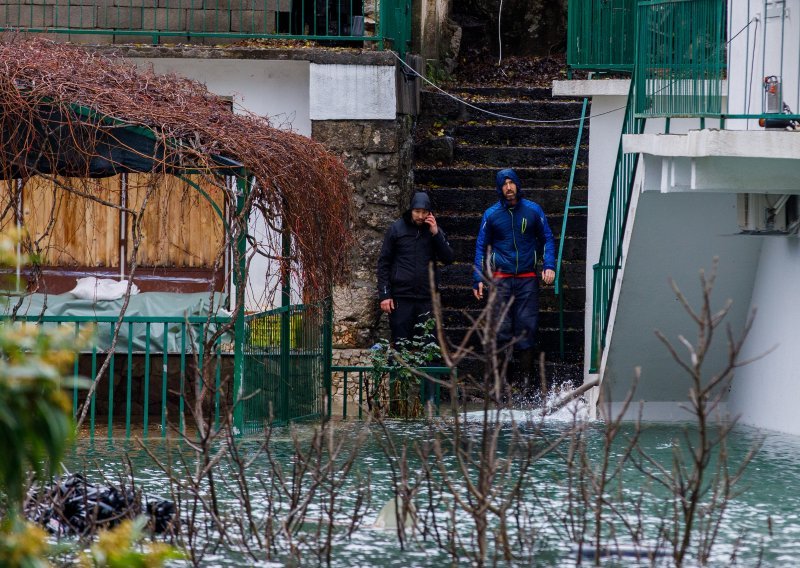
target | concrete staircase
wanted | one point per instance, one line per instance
(457, 153)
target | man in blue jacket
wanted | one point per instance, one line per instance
(516, 233)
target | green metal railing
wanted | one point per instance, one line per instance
(135, 20)
(396, 27)
(680, 60)
(368, 378)
(606, 270)
(156, 369)
(286, 372)
(150, 367)
(687, 48)
(600, 34)
(567, 208)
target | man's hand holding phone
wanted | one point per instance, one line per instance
(430, 220)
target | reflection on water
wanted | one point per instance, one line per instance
(766, 515)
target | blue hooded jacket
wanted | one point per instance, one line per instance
(518, 236)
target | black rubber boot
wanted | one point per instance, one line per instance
(526, 370)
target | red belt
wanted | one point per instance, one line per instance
(521, 275)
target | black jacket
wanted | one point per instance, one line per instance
(405, 255)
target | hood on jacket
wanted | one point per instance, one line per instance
(420, 200)
(501, 178)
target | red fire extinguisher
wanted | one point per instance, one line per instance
(772, 95)
(773, 104)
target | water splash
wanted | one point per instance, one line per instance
(534, 409)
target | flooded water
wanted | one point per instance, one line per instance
(761, 523)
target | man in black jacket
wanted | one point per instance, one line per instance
(410, 245)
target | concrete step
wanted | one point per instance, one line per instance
(477, 200)
(547, 111)
(548, 177)
(464, 224)
(548, 339)
(547, 319)
(515, 135)
(557, 371)
(518, 157)
(460, 297)
(503, 93)
(573, 274)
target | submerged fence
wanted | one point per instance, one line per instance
(121, 21)
(155, 370)
(363, 386)
(286, 365)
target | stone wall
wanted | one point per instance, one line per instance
(348, 358)
(378, 155)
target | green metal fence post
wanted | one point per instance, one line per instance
(285, 346)
(240, 282)
(327, 351)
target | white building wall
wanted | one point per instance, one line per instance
(766, 393)
(675, 236)
(777, 28)
(364, 92)
(605, 128)
(276, 89)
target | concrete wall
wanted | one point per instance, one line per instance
(606, 125)
(766, 393)
(675, 236)
(432, 34)
(607, 115)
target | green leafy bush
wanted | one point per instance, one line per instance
(394, 385)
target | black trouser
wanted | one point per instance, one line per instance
(521, 324)
(407, 315)
(522, 320)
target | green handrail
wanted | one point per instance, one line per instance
(607, 268)
(567, 208)
(680, 58)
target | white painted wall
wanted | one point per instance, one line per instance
(605, 127)
(364, 92)
(275, 89)
(674, 236)
(766, 393)
(749, 62)
(278, 90)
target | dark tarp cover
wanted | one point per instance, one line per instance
(57, 142)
